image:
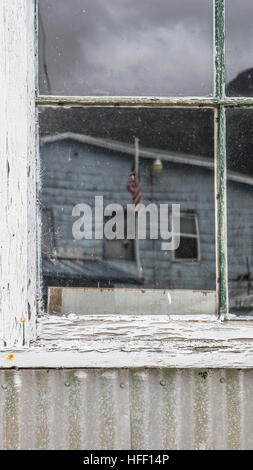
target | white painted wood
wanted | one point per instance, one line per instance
(18, 173)
(83, 301)
(93, 340)
(136, 341)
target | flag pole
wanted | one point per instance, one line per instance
(136, 157)
(137, 247)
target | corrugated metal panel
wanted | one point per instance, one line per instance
(124, 409)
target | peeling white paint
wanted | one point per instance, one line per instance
(135, 341)
(18, 174)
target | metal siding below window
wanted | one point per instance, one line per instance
(126, 409)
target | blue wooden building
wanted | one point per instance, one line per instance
(78, 167)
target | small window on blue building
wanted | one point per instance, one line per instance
(121, 249)
(189, 247)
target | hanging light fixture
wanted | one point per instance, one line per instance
(157, 166)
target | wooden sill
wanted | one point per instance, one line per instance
(135, 341)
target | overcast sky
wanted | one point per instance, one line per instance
(138, 47)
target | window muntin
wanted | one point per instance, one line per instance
(126, 47)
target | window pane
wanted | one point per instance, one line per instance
(188, 224)
(239, 54)
(91, 153)
(240, 210)
(125, 47)
(188, 249)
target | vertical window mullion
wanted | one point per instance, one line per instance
(220, 156)
(219, 49)
(221, 216)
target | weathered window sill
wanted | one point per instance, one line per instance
(136, 341)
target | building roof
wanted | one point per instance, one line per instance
(187, 131)
(169, 156)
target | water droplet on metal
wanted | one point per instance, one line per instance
(162, 383)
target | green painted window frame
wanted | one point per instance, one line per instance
(219, 103)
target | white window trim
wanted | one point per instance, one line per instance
(18, 169)
(90, 341)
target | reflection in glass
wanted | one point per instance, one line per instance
(125, 47)
(239, 54)
(240, 210)
(91, 153)
(189, 248)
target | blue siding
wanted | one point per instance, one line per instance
(74, 172)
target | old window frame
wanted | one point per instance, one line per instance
(195, 236)
(156, 102)
(95, 341)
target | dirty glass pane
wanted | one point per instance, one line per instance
(125, 47)
(240, 210)
(188, 224)
(239, 53)
(93, 158)
(188, 249)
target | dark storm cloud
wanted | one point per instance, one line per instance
(140, 47)
(128, 46)
(239, 32)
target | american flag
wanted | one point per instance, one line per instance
(134, 187)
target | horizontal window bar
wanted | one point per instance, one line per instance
(187, 235)
(142, 101)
